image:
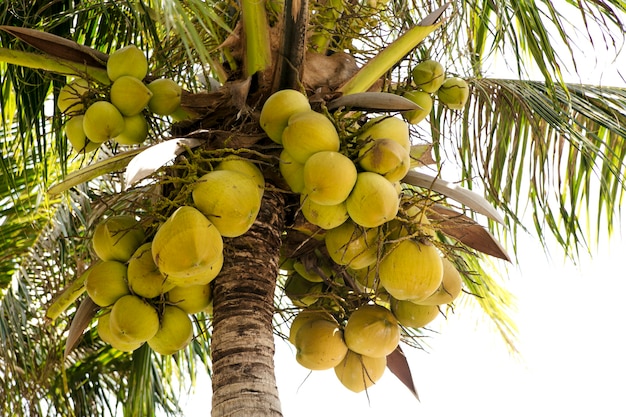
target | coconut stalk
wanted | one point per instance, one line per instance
(391, 55)
(256, 29)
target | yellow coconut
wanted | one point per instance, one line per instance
(186, 244)
(372, 330)
(277, 110)
(450, 288)
(166, 96)
(76, 135)
(130, 95)
(422, 99)
(411, 270)
(301, 291)
(229, 199)
(373, 201)
(117, 238)
(359, 372)
(135, 131)
(144, 277)
(308, 314)
(320, 345)
(292, 171)
(324, 216)
(235, 163)
(133, 319)
(428, 75)
(385, 157)
(307, 133)
(102, 121)
(352, 245)
(454, 93)
(175, 331)
(329, 177)
(201, 279)
(103, 327)
(191, 299)
(387, 127)
(107, 282)
(70, 99)
(413, 315)
(128, 60)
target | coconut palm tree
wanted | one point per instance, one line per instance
(561, 144)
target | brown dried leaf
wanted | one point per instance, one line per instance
(84, 314)
(59, 47)
(466, 231)
(398, 365)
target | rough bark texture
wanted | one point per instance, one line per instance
(243, 305)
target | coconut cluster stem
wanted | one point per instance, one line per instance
(46, 63)
(386, 59)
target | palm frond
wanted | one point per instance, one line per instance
(564, 155)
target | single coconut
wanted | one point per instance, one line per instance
(192, 299)
(107, 282)
(128, 60)
(319, 345)
(166, 96)
(292, 171)
(450, 288)
(373, 201)
(175, 331)
(229, 199)
(424, 101)
(387, 127)
(76, 135)
(454, 93)
(186, 244)
(117, 238)
(329, 177)
(130, 95)
(135, 130)
(133, 319)
(372, 330)
(413, 315)
(102, 121)
(70, 98)
(411, 270)
(236, 163)
(352, 245)
(324, 216)
(103, 327)
(307, 133)
(428, 75)
(144, 277)
(277, 110)
(359, 372)
(308, 314)
(203, 278)
(385, 157)
(301, 291)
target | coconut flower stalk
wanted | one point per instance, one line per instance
(388, 57)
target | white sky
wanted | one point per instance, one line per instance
(572, 358)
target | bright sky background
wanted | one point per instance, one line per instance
(572, 351)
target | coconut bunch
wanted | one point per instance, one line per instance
(377, 267)
(429, 79)
(148, 289)
(120, 110)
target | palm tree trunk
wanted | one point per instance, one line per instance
(243, 306)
